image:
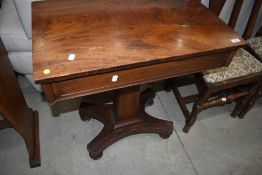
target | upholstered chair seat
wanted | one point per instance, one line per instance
(243, 63)
(256, 45)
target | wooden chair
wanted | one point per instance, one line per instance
(255, 48)
(224, 85)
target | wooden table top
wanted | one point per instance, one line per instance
(109, 35)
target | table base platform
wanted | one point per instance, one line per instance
(117, 126)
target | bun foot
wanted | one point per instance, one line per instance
(164, 136)
(95, 157)
(85, 118)
(150, 103)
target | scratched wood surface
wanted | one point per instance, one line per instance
(110, 35)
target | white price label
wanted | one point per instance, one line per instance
(114, 78)
(235, 40)
(224, 99)
(71, 57)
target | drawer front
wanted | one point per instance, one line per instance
(130, 77)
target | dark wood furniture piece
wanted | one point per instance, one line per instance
(217, 5)
(251, 102)
(222, 92)
(118, 46)
(244, 105)
(250, 49)
(15, 111)
(259, 32)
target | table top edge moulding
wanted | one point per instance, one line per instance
(106, 37)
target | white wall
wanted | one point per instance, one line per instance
(244, 14)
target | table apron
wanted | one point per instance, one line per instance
(129, 77)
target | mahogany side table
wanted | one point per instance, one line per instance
(15, 111)
(84, 47)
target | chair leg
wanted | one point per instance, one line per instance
(181, 102)
(238, 107)
(241, 105)
(246, 108)
(203, 97)
(246, 103)
(192, 118)
(255, 94)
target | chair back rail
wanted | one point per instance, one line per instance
(252, 19)
(217, 5)
(235, 13)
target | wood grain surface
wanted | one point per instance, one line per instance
(15, 112)
(112, 35)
